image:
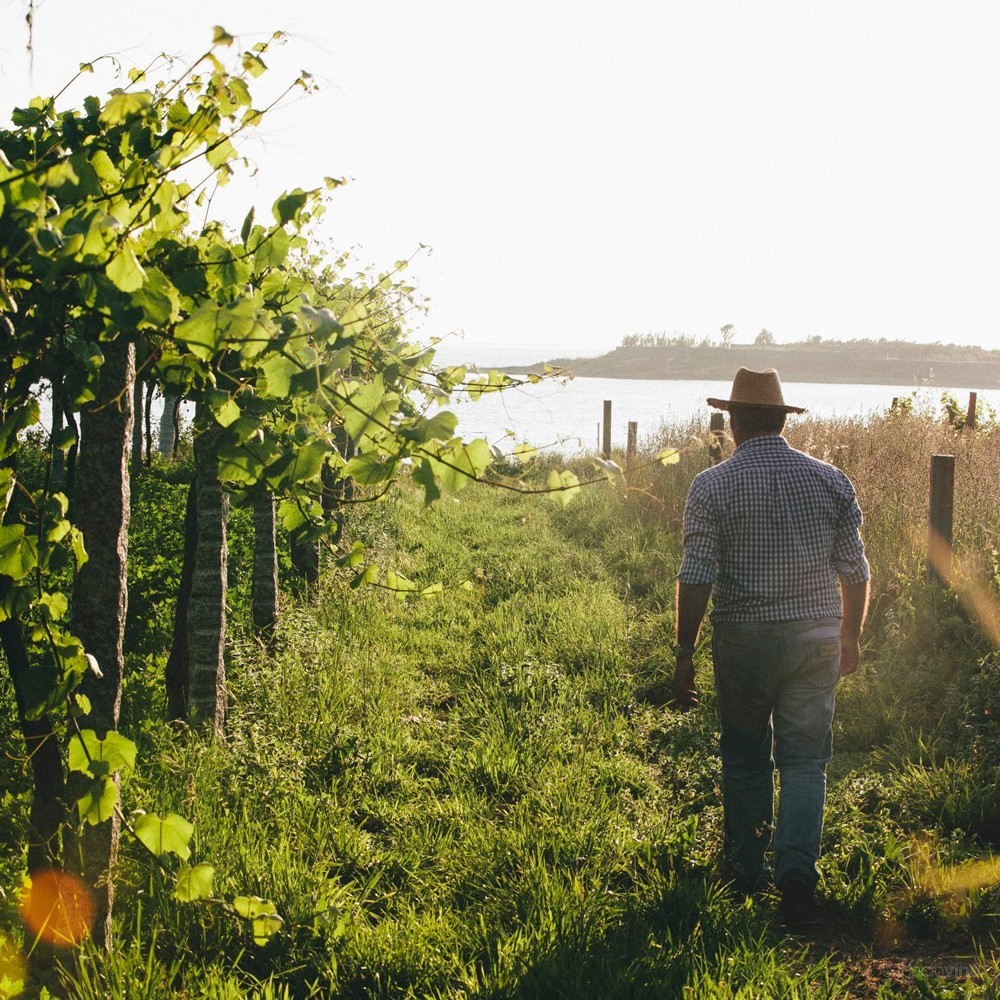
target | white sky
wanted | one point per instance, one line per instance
(583, 170)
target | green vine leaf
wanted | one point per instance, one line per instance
(202, 332)
(459, 462)
(278, 371)
(253, 64)
(423, 475)
(262, 915)
(100, 758)
(611, 470)
(399, 584)
(288, 206)
(307, 462)
(365, 577)
(367, 411)
(98, 803)
(194, 883)
(64, 439)
(125, 271)
(247, 225)
(369, 469)
(158, 299)
(220, 153)
(354, 558)
(121, 105)
(18, 552)
(563, 486)
(79, 550)
(168, 834)
(228, 413)
(440, 427)
(53, 606)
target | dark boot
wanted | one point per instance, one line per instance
(797, 908)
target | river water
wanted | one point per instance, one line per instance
(566, 414)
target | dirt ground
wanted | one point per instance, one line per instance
(880, 956)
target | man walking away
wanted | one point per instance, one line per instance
(769, 534)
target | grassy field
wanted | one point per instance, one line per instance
(484, 794)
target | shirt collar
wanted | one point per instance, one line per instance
(764, 442)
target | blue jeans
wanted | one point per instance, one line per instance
(776, 684)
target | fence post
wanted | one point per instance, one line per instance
(606, 446)
(633, 434)
(717, 424)
(939, 531)
(970, 415)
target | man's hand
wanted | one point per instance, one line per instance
(854, 598)
(850, 655)
(692, 600)
(682, 685)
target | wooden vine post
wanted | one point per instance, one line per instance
(939, 531)
(970, 413)
(630, 449)
(717, 425)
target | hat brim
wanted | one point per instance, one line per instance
(728, 404)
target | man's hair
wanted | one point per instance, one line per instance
(757, 419)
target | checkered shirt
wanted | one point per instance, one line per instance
(772, 529)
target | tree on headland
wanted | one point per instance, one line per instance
(727, 334)
(764, 339)
(675, 339)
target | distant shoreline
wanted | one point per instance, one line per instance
(865, 364)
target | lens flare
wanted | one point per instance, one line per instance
(968, 583)
(951, 880)
(57, 907)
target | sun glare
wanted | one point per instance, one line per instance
(966, 580)
(56, 907)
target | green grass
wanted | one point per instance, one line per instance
(482, 795)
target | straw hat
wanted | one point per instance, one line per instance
(758, 389)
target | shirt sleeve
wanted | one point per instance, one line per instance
(848, 553)
(701, 537)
